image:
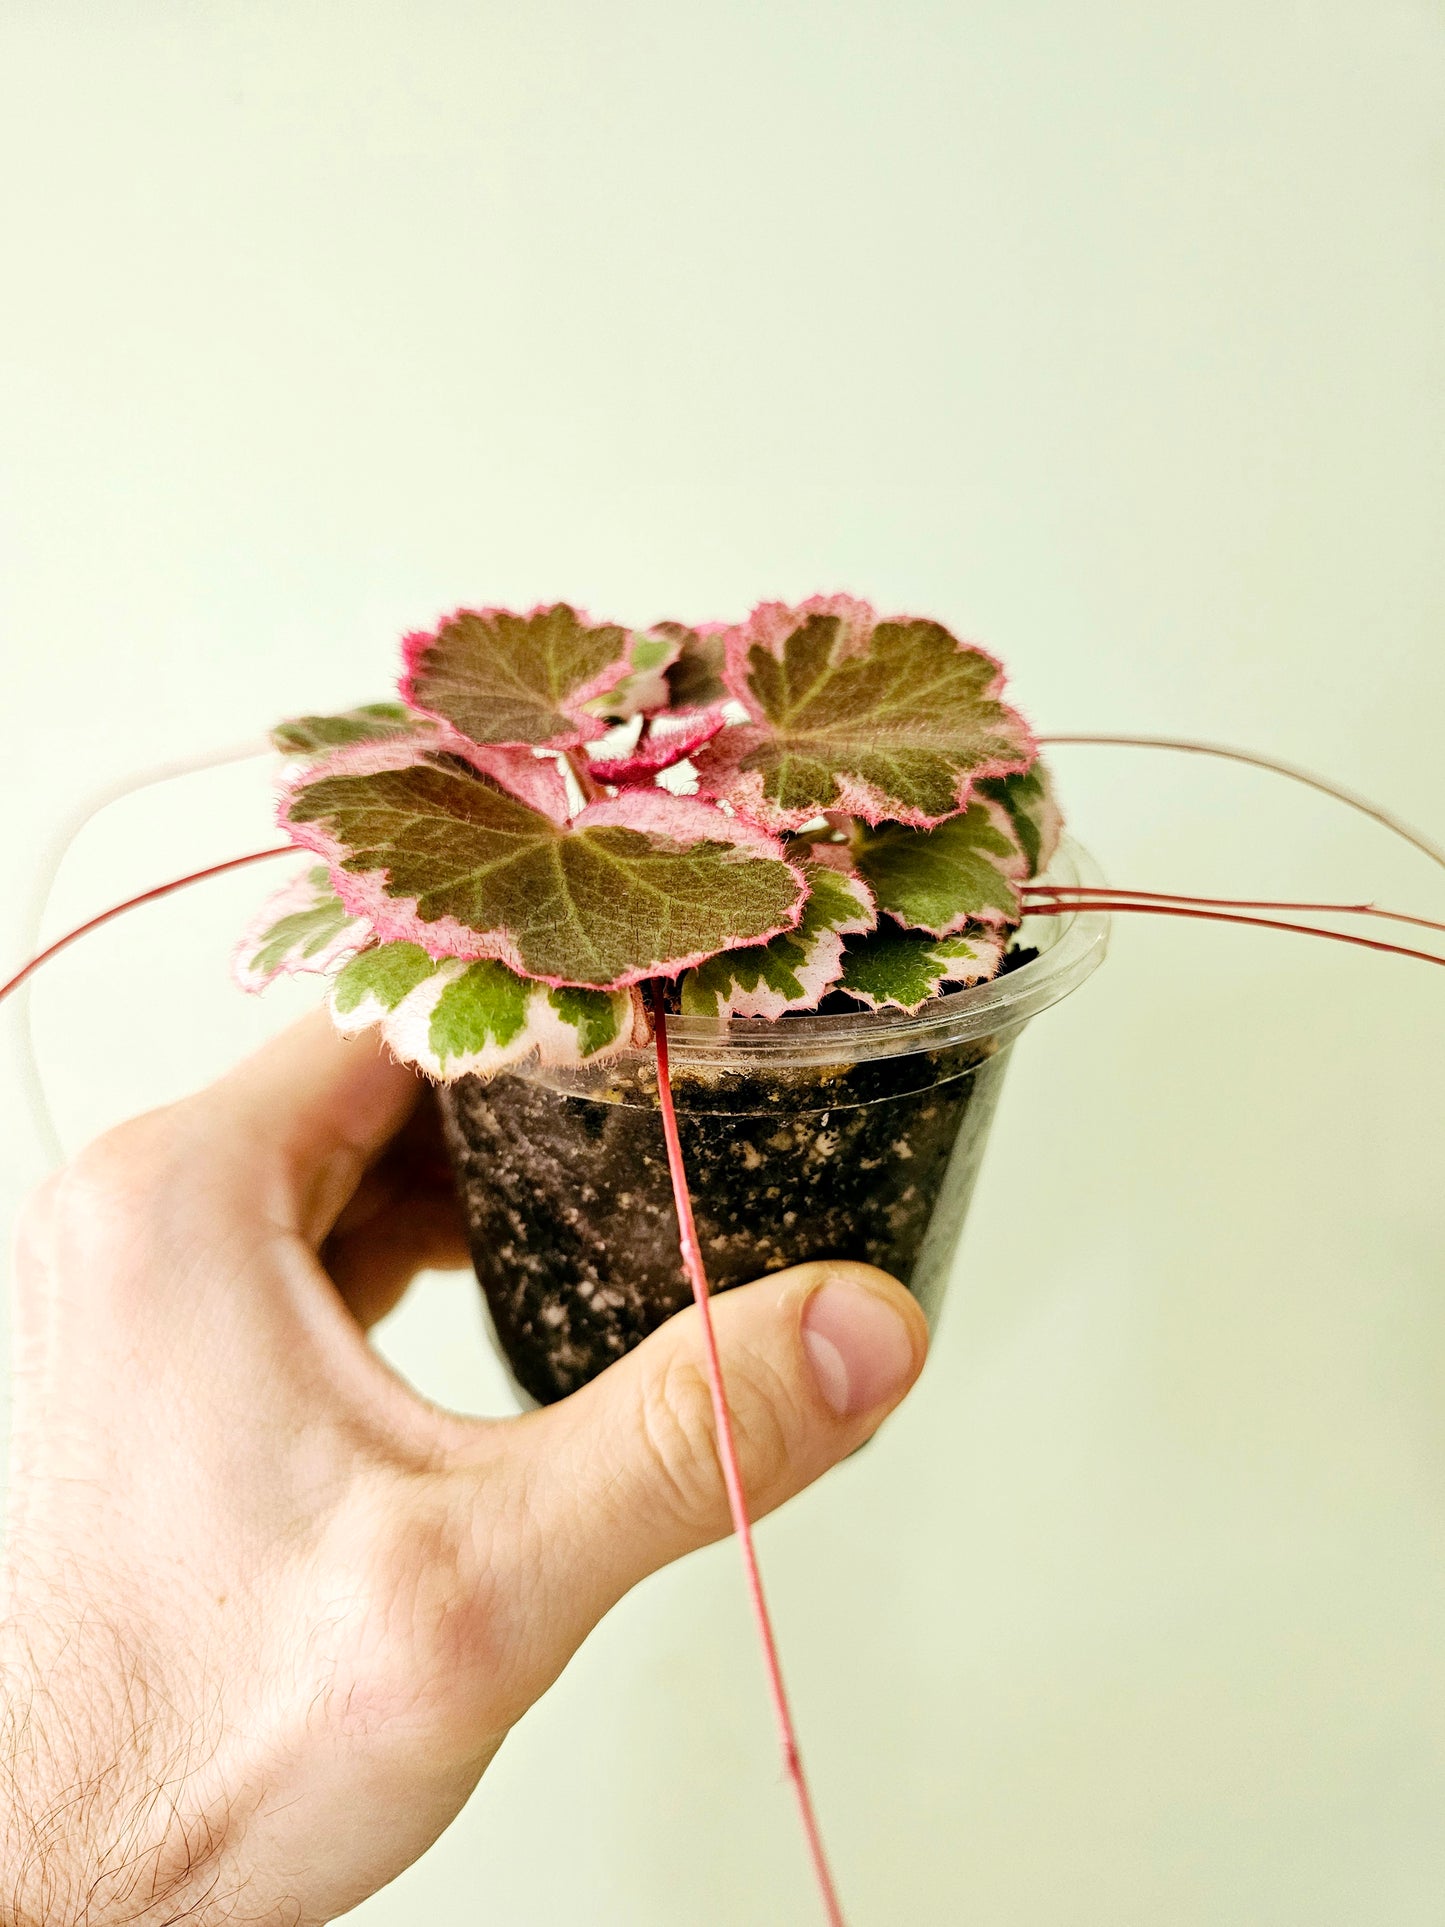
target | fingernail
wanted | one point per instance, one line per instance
(859, 1348)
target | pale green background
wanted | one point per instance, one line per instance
(1111, 333)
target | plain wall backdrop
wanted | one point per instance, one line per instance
(1111, 334)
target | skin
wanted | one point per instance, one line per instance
(268, 1614)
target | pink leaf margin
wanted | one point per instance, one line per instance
(294, 896)
(671, 739)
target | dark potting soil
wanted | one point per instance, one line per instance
(569, 1205)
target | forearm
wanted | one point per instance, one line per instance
(99, 1816)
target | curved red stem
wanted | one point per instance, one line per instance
(1064, 906)
(118, 909)
(1190, 746)
(1087, 890)
(732, 1474)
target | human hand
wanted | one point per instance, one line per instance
(268, 1613)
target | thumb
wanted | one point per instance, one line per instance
(625, 1474)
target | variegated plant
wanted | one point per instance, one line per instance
(816, 803)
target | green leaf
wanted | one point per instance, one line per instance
(550, 677)
(598, 1017)
(483, 1007)
(903, 970)
(302, 926)
(371, 723)
(641, 885)
(964, 871)
(451, 1018)
(793, 971)
(1027, 799)
(381, 977)
(885, 720)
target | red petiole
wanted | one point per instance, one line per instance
(732, 1474)
(1063, 905)
(1085, 890)
(27, 970)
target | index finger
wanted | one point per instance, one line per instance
(300, 1120)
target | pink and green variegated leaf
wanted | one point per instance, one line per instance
(452, 1019)
(888, 720)
(641, 885)
(794, 971)
(966, 870)
(901, 969)
(695, 678)
(666, 740)
(371, 723)
(304, 926)
(550, 678)
(643, 690)
(1027, 799)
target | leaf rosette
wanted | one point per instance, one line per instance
(506, 857)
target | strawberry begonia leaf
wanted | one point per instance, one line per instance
(452, 1018)
(794, 970)
(966, 870)
(888, 720)
(902, 969)
(666, 741)
(1027, 799)
(370, 723)
(695, 678)
(640, 885)
(550, 678)
(644, 688)
(303, 926)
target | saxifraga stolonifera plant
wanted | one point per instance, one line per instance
(507, 860)
(567, 830)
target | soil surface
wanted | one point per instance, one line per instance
(570, 1209)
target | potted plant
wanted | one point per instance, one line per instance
(807, 835)
(709, 938)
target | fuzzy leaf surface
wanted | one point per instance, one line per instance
(550, 678)
(966, 870)
(371, 985)
(887, 720)
(303, 926)
(1027, 799)
(794, 970)
(902, 969)
(668, 740)
(370, 723)
(695, 678)
(642, 885)
(451, 1018)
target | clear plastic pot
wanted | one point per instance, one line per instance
(856, 1135)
